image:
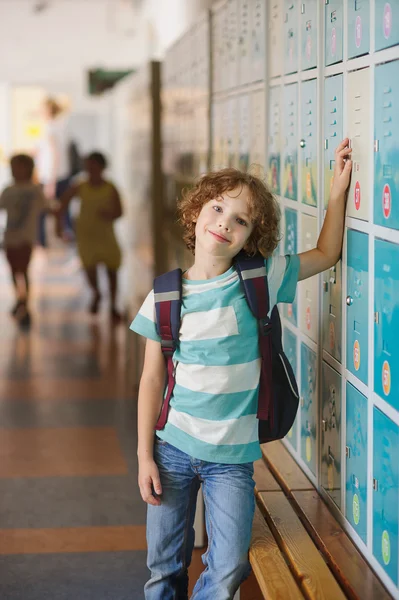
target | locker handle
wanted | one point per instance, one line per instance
(349, 300)
(325, 144)
(375, 484)
(324, 424)
(302, 143)
(325, 286)
(348, 452)
(302, 8)
(376, 146)
(376, 317)
(387, 90)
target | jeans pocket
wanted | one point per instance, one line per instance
(160, 442)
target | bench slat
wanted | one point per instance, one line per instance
(264, 480)
(349, 566)
(284, 468)
(311, 572)
(271, 571)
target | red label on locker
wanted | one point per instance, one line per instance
(358, 31)
(387, 23)
(386, 201)
(308, 318)
(290, 310)
(333, 41)
(386, 378)
(357, 195)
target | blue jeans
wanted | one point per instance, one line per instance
(229, 509)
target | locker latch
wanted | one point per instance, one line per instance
(324, 424)
(376, 146)
(375, 484)
(347, 452)
(302, 8)
(376, 317)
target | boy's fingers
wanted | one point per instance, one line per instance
(342, 145)
(156, 482)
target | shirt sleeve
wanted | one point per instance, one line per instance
(144, 321)
(282, 274)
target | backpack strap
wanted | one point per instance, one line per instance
(253, 276)
(167, 296)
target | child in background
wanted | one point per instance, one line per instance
(100, 206)
(23, 201)
(211, 435)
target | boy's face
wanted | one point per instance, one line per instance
(93, 168)
(20, 171)
(223, 225)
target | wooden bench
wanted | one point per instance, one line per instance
(298, 549)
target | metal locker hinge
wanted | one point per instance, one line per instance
(347, 452)
(376, 317)
(325, 286)
(375, 484)
(324, 424)
(302, 8)
(325, 144)
(376, 146)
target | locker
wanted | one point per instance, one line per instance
(308, 289)
(386, 322)
(309, 34)
(358, 27)
(332, 311)
(386, 145)
(291, 247)
(333, 31)
(274, 145)
(308, 404)
(244, 42)
(356, 460)
(358, 132)
(257, 145)
(308, 142)
(357, 304)
(333, 128)
(290, 152)
(386, 24)
(385, 493)
(226, 131)
(258, 40)
(331, 433)
(290, 349)
(232, 132)
(275, 46)
(232, 44)
(290, 36)
(244, 131)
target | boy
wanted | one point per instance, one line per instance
(24, 202)
(211, 433)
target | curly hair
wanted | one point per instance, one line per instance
(263, 208)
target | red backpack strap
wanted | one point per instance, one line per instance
(167, 296)
(253, 276)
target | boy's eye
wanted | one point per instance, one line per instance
(241, 222)
(217, 208)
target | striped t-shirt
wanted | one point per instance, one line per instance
(212, 414)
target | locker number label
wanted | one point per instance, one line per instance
(387, 24)
(386, 378)
(386, 201)
(333, 41)
(308, 318)
(357, 195)
(289, 310)
(356, 355)
(358, 31)
(356, 509)
(386, 547)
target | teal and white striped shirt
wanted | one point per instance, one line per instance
(212, 413)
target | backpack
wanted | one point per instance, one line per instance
(278, 391)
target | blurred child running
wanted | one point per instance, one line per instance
(100, 207)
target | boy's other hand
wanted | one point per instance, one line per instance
(342, 170)
(149, 482)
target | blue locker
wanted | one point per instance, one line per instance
(291, 247)
(309, 34)
(291, 29)
(358, 27)
(308, 406)
(290, 349)
(356, 460)
(386, 493)
(386, 322)
(308, 142)
(333, 127)
(357, 304)
(333, 31)
(331, 433)
(290, 157)
(386, 24)
(386, 145)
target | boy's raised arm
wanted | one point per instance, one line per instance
(329, 244)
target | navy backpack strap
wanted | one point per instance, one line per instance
(253, 276)
(167, 296)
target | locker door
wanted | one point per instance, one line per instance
(386, 145)
(290, 154)
(386, 493)
(244, 129)
(309, 34)
(358, 27)
(274, 170)
(244, 42)
(331, 433)
(358, 127)
(258, 41)
(232, 44)
(275, 20)
(290, 349)
(226, 131)
(290, 36)
(291, 247)
(386, 24)
(308, 406)
(357, 304)
(257, 146)
(232, 132)
(308, 142)
(332, 312)
(386, 322)
(308, 292)
(333, 31)
(333, 128)
(356, 460)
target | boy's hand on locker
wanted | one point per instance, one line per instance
(149, 482)
(342, 171)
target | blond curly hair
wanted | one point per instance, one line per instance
(263, 208)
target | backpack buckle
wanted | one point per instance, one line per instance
(167, 347)
(264, 326)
